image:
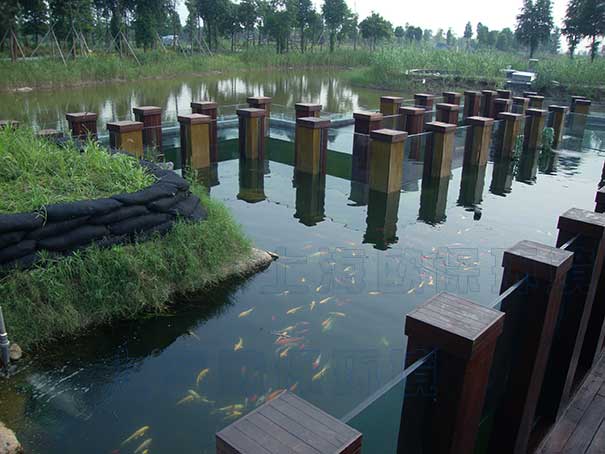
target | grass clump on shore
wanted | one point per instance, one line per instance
(35, 173)
(94, 286)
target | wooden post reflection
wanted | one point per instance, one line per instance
(433, 200)
(251, 180)
(381, 222)
(509, 132)
(502, 176)
(310, 197)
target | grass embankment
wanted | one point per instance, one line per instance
(94, 286)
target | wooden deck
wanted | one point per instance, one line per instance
(581, 430)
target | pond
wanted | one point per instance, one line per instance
(325, 321)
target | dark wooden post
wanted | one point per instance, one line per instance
(534, 126)
(311, 144)
(448, 113)
(487, 103)
(262, 102)
(509, 133)
(564, 367)
(580, 109)
(127, 136)
(195, 140)
(433, 200)
(573, 101)
(310, 197)
(412, 119)
(502, 105)
(600, 200)
(151, 117)
(504, 94)
(520, 105)
(478, 138)
(531, 322)
(305, 109)
(82, 124)
(439, 150)
(536, 102)
(251, 133)
(386, 160)
(472, 104)
(427, 102)
(366, 122)
(557, 122)
(209, 108)
(527, 94)
(452, 97)
(465, 336)
(389, 105)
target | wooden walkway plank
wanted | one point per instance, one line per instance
(588, 426)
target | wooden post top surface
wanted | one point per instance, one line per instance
(489, 92)
(412, 110)
(506, 94)
(438, 126)
(520, 100)
(368, 116)
(448, 107)
(391, 99)
(503, 101)
(388, 135)
(81, 116)
(205, 105)
(288, 425)
(313, 122)
(583, 222)
(527, 94)
(563, 109)
(259, 100)
(194, 119)
(424, 96)
(536, 112)
(542, 261)
(480, 121)
(472, 93)
(124, 126)
(536, 97)
(582, 102)
(453, 94)
(510, 116)
(307, 106)
(147, 110)
(251, 112)
(455, 325)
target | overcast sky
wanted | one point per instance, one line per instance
(436, 14)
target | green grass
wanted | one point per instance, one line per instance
(35, 173)
(95, 286)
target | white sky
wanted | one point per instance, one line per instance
(436, 14)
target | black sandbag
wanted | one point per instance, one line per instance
(120, 214)
(169, 177)
(72, 210)
(147, 195)
(20, 221)
(81, 235)
(164, 204)
(56, 228)
(160, 229)
(138, 224)
(186, 207)
(111, 240)
(27, 261)
(199, 214)
(15, 251)
(9, 238)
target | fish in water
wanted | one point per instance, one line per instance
(288, 340)
(325, 300)
(195, 395)
(233, 415)
(185, 400)
(284, 353)
(374, 293)
(318, 289)
(245, 313)
(274, 394)
(319, 375)
(201, 376)
(239, 345)
(312, 305)
(338, 314)
(143, 446)
(136, 434)
(317, 361)
(192, 334)
(230, 408)
(294, 310)
(384, 341)
(293, 387)
(326, 325)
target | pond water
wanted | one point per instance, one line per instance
(325, 321)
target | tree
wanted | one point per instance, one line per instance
(70, 17)
(304, 15)
(468, 31)
(248, 17)
(9, 11)
(592, 23)
(334, 12)
(399, 33)
(34, 16)
(534, 24)
(350, 28)
(572, 28)
(375, 28)
(505, 40)
(449, 37)
(482, 35)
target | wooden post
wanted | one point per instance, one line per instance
(311, 145)
(448, 113)
(209, 108)
(412, 119)
(386, 160)
(381, 221)
(536, 101)
(531, 322)
(504, 94)
(465, 336)
(600, 200)
(534, 126)
(305, 109)
(478, 138)
(82, 124)
(262, 102)
(452, 97)
(471, 187)
(389, 105)
(520, 105)
(509, 133)
(151, 117)
(251, 133)
(433, 200)
(426, 101)
(566, 367)
(366, 122)
(439, 150)
(195, 140)
(557, 122)
(310, 197)
(487, 103)
(573, 101)
(472, 104)
(580, 110)
(502, 176)
(126, 136)
(527, 94)
(502, 105)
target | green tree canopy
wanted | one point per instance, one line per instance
(534, 24)
(375, 28)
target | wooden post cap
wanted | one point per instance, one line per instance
(424, 98)
(438, 126)
(124, 126)
(583, 102)
(527, 94)
(288, 424)
(504, 101)
(504, 94)
(251, 112)
(538, 260)
(588, 223)
(147, 110)
(536, 98)
(448, 107)
(480, 121)
(388, 135)
(536, 112)
(81, 116)
(453, 94)
(472, 93)
(412, 111)
(509, 116)
(368, 116)
(455, 325)
(307, 107)
(391, 99)
(204, 105)
(194, 119)
(489, 92)
(520, 100)
(563, 109)
(259, 100)
(313, 122)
